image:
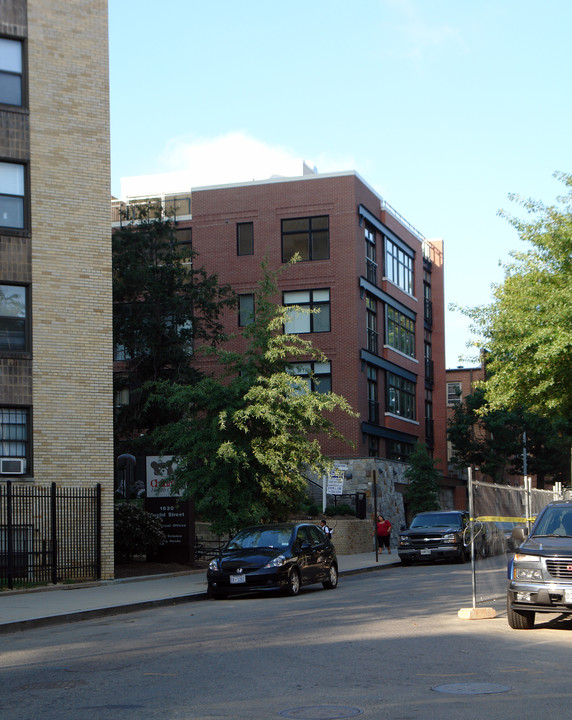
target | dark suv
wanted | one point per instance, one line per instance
(540, 573)
(435, 535)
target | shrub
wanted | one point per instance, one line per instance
(332, 510)
(137, 532)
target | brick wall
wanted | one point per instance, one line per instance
(71, 248)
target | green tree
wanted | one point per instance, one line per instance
(245, 441)
(493, 441)
(164, 306)
(527, 327)
(422, 492)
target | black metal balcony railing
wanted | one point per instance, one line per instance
(372, 341)
(371, 271)
(429, 371)
(373, 412)
(429, 432)
(428, 311)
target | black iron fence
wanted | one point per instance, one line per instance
(49, 534)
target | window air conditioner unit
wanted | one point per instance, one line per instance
(12, 466)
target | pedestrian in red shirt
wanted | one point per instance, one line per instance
(383, 532)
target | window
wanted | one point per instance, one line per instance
(428, 356)
(397, 450)
(317, 375)
(372, 446)
(15, 434)
(373, 404)
(400, 396)
(245, 238)
(10, 72)
(245, 309)
(184, 240)
(11, 195)
(317, 301)
(398, 267)
(370, 256)
(371, 324)
(309, 237)
(13, 318)
(429, 430)
(122, 398)
(400, 332)
(454, 391)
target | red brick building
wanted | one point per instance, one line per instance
(378, 284)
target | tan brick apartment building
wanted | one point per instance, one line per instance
(55, 250)
(379, 286)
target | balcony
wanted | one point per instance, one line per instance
(371, 271)
(429, 371)
(372, 341)
(373, 412)
(428, 312)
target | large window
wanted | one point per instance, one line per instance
(12, 191)
(14, 440)
(309, 237)
(316, 375)
(10, 72)
(245, 309)
(400, 396)
(13, 318)
(397, 450)
(400, 332)
(245, 238)
(316, 301)
(398, 266)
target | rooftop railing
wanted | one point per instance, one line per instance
(172, 205)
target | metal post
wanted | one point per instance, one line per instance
(472, 521)
(55, 549)
(10, 537)
(374, 478)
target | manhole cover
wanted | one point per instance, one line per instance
(321, 712)
(472, 688)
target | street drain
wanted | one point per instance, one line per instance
(472, 688)
(321, 712)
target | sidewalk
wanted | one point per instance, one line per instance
(53, 605)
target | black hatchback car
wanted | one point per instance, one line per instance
(284, 556)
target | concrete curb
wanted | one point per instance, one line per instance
(131, 607)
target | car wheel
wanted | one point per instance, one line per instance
(519, 619)
(332, 580)
(294, 582)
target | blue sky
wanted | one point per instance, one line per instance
(443, 107)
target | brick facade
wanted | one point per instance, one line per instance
(63, 254)
(352, 208)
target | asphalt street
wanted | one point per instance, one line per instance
(386, 644)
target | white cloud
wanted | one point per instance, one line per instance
(235, 157)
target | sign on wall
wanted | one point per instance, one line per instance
(176, 515)
(335, 482)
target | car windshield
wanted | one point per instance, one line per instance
(506, 525)
(436, 520)
(555, 521)
(261, 538)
